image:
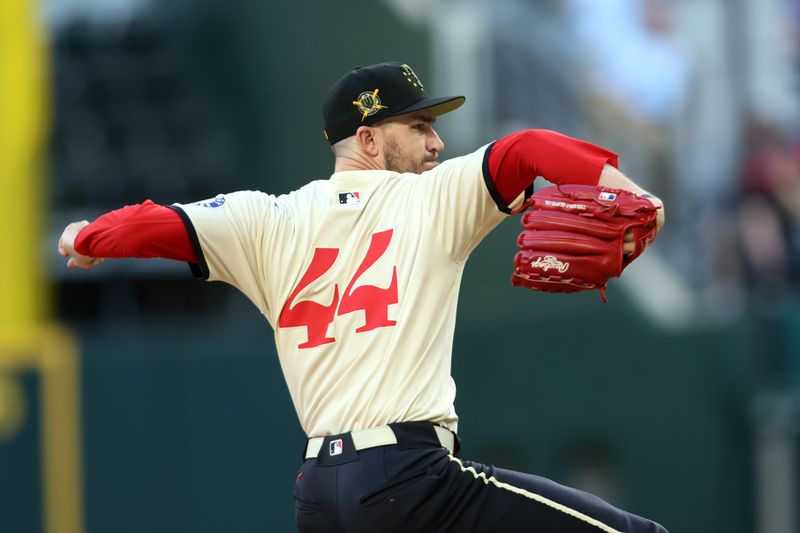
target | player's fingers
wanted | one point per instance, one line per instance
(628, 244)
(74, 263)
(63, 248)
(84, 263)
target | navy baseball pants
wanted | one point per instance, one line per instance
(418, 486)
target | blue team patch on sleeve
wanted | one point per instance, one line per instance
(217, 201)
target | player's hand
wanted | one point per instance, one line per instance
(66, 247)
(660, 219)
(613, 178)
(628, 244)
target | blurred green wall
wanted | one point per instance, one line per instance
(21, 506)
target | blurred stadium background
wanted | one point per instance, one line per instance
(134, 399)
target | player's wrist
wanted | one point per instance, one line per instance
(655, 200)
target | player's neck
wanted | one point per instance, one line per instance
(356, 162)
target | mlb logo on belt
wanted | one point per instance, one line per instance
(336, 447)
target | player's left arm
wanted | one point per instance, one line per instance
(514, 162)
(464, 214)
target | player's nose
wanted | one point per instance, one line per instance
(435, 143)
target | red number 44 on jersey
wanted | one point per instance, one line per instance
(316, 317)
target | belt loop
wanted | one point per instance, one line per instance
(413, 434)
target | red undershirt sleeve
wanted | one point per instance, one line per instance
(144, 230)
(513, 162)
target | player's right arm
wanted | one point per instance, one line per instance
(226, 238)
(144, 230)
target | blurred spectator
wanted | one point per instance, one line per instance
(769, 215)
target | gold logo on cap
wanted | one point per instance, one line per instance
(411, 76)
(368, 103)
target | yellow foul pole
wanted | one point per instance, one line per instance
(27, 339)
(23, 118)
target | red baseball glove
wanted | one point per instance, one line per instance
(573, 237)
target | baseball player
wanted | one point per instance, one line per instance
(358, 275)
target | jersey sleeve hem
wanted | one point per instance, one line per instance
(490, 186)
(200, 269)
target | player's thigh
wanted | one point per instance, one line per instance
(502, 500)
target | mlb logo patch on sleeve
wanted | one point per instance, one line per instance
(349, 198)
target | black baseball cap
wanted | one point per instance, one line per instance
(366, 95)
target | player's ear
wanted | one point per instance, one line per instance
(367, 140)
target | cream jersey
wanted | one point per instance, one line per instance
(359, 277)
